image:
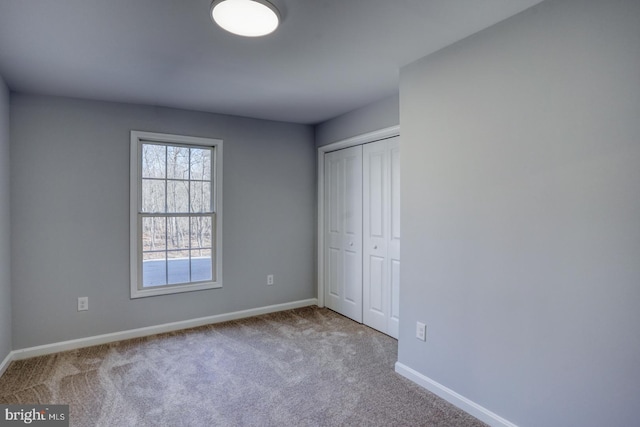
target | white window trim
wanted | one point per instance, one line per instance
(137, 138)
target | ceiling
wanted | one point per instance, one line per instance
(328, 56)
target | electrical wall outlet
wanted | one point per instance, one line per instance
(270, 279)
(421, 331)
(83, 303)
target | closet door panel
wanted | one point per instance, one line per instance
(394, 236)
(381, 238)
(394, 317)
(334, 268)
(333, 230)
(343, 232)
(375, 220)
(376, 284)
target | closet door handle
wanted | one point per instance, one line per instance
(375, 246)
(350, 243)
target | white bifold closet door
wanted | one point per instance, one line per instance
(343, 231)
(381, 235)
(362, 233)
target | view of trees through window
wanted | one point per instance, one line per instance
(176, 214)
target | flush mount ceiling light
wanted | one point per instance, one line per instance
(249, 18)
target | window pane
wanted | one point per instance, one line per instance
(200, 196)
(154, 271)
(177, 232)
(201, 232)
(153, 161)
(201, 164)
(154, 233)
(178, 267)
(178, 196)
(201, 265)
(153, 196)
(177, 162)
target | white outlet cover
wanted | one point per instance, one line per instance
(421, 331)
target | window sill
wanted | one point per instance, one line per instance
(173, 289)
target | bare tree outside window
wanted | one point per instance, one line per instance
(177, 214)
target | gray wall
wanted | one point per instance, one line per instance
(521, 215)
(5, 226)
(70, 216)
(372, 117)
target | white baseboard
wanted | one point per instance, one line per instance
(5, 363)
(41, 350)
(452, 397)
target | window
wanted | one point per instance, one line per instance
(176, 214)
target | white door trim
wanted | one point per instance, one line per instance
(345, 143)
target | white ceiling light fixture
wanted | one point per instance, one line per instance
(248, 18)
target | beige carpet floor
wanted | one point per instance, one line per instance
(304, 367)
